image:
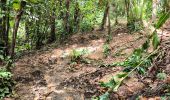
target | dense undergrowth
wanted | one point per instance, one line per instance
(6, 83)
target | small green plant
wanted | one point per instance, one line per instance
(106, 50)
(135, 59)
(135, 26)
(109, 38)
(76, 55)
(161, 76)
(5, 83)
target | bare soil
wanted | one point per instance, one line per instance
(49, 74)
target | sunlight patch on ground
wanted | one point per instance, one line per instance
(93, 47)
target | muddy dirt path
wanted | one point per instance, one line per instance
(50, 75)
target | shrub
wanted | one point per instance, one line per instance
(5, 83)
(76, 55)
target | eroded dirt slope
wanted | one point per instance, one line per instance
(48, 74)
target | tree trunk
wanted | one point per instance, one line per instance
(1, 39)
(105, 16)
(27, 32)
(15, 28)
(67, 26)
(77, 16)
(38, 40)
(127, 3)
(116, 19)
(7, 34)
(109, 27)
(4, 26)
(52, 33)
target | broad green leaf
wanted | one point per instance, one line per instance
(109, 84)
(155, 41)
(162, 20)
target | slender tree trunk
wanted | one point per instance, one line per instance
(109, 26)
(15, 28)
(77, 16)
(7, 34)
(2, 26)
(127, 10)
(1, 36)
(38, 40)
(116, 21)
(66, 20)
(105, 16)
(52, 33)
(4, 20)
(5, 26)
(27, 32)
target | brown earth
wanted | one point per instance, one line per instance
(49, 74)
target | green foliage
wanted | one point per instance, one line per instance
(91, 15)
(140, 60)
(5, 83)
(135, 59)
(164, 98)
(16, 5)
(106, 50)
(136, 11)
(4, 59)
(104, 96)
(76, 55)
(135, 26)
(162, 20)
(161, 76)
(155, 41)
(115, 82)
